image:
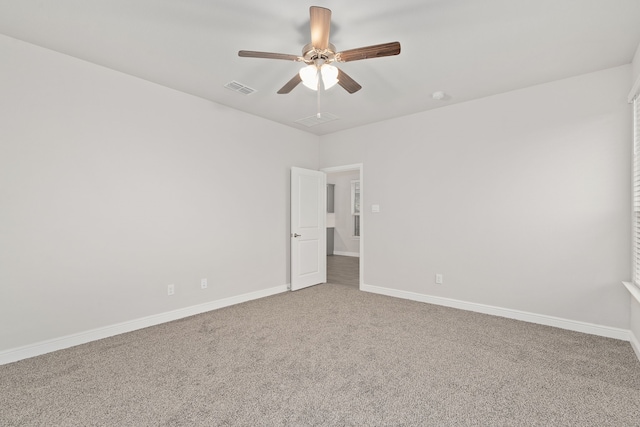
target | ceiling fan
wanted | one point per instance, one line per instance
(320, 54)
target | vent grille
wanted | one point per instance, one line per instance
(239, 87)
(315, 120)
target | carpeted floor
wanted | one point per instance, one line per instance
(343, 270)
(330, 355)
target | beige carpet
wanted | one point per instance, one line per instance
(343, 270)
(330, 355)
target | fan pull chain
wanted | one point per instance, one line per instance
(320, 88)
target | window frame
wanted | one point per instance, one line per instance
(355, 208)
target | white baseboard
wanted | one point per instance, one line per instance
(635, 344)
(48, 346)
(353, 254)
(572, 325)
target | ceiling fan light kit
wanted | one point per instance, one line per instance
(320, 54)
(311, 73)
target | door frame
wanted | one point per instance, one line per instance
(351, 168)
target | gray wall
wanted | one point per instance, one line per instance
(634, 324)
(113, 188)
(521, 200)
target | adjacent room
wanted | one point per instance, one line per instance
(343, 227)
(475, 261)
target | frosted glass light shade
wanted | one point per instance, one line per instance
(309, 76)
(329, 75)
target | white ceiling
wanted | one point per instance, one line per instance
(466, 48)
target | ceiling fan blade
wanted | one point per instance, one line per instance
(375, 51)
(347, 82)
(320, 27)
(268, 55)
(295, 81)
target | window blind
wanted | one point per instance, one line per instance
(636, 190)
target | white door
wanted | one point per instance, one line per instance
(308, 232)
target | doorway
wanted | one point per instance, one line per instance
(345, 225)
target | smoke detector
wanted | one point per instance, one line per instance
(438, 95)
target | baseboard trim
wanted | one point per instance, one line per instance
(572, 325)
(48, 346)
(635, 344)
(353, 254)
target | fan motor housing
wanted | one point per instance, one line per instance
(310, 53)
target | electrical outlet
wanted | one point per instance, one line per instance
(203, 284)
(439, 279)
(171, 289)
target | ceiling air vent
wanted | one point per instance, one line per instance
(315, 120)
(239, 87)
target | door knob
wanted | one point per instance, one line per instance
(297, 235)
